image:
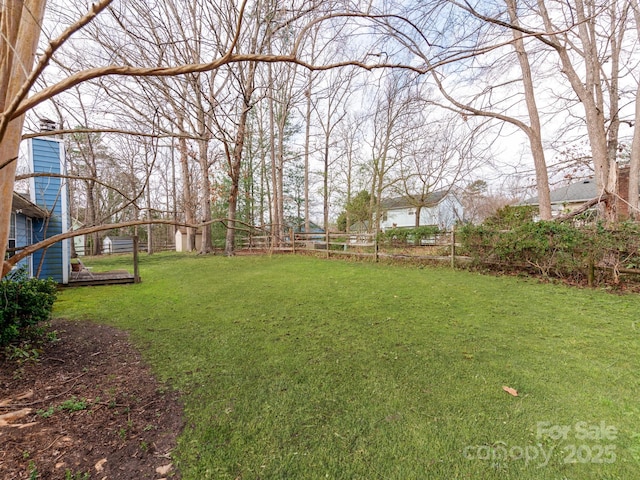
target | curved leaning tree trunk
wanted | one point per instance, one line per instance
(588, 89)
(20, 31)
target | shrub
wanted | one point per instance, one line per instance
(407, 236)
(554, 248)
(511, 216)
(24, 302)
(551, 248)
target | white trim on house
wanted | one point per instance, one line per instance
(64, 193)
(29, 234)
(30, 166)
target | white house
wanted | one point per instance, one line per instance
(441, 209)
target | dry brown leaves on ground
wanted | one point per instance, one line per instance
(89, 408)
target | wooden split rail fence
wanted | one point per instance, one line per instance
(438, 247)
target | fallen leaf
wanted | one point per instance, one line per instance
(13, 416)
(20, 426)
(28, 394)
(99, 465)
(8, 401)
(164, 469)
(510, 391)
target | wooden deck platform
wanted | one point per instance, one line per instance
(86, 279)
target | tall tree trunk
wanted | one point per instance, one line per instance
(589, 91)
(205, 200)
(264, 187)
(325, 177)
(534, 130)
(349, 180)
(418, 212)
(634, 163)
(92, 217)
(276, 221)
(236, 160)
(307, 145)
(20, 29)
(187, 195)
(149, 217)
(282, 120)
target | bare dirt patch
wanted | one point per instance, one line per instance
(88, 409)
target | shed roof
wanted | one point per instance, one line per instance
(20, 204)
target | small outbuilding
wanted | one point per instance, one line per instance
(181, 240)
(115, 244)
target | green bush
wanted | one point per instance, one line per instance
(553, 248)
(512, 216)
(24, 302)
(407, 236)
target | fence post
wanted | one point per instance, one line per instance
(591, 273)
(136, 271)
(375, 245)
(293, 239)
(453, 247)
(327, 240)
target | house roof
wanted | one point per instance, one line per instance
(20, 204)
(409, 202)
(578, 192)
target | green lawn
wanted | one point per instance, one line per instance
(302, 368)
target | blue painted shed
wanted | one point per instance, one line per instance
(47, 155)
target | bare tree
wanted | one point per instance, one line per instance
(432, 159)
(634, 162)
(330, 107)
(233, 50)
(20, 29)
(584, 36)
(396, 101)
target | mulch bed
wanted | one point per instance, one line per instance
(89, 408)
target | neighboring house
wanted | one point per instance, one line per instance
(115, 244)
(298, 226)
(569, 198)
(181, 240)
(44, 213)
(315, 233)
(441, 208)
